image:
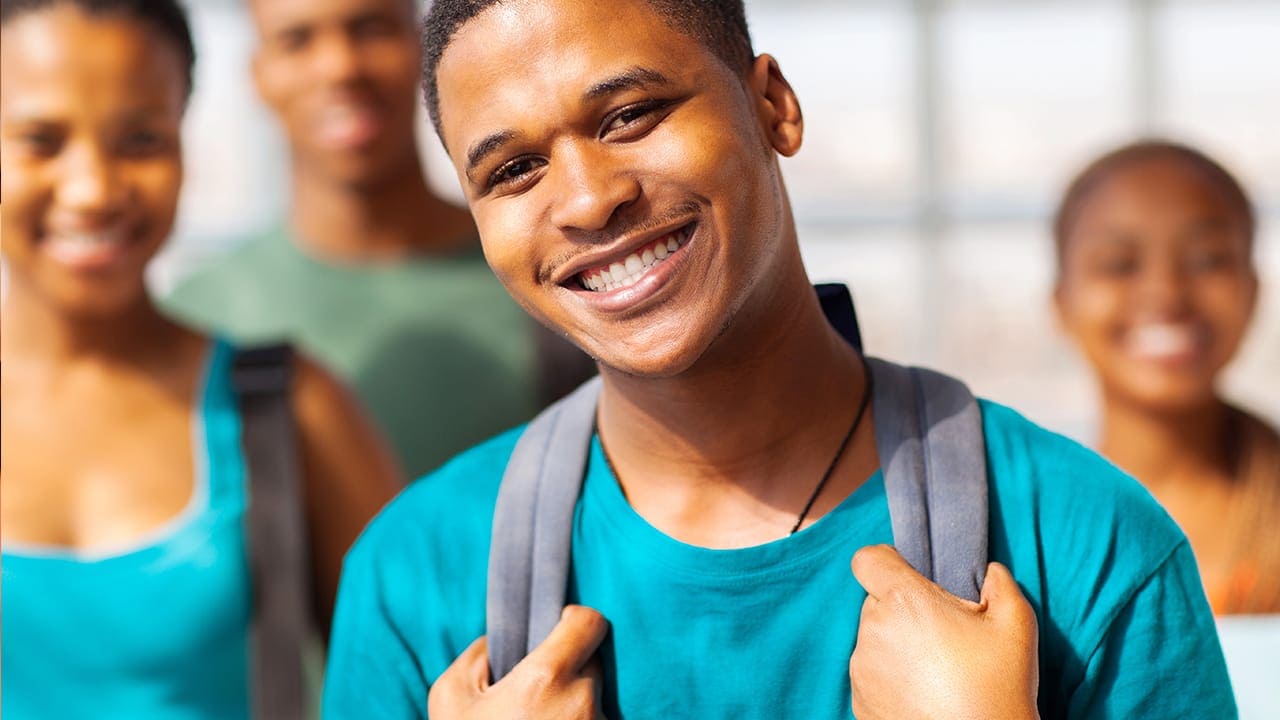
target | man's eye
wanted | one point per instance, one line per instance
(1118, 266)
(142, 142)
(513, 171)
(1207, 261)
(640, 116)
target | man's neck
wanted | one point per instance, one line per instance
(744, 435)
(1161, 447)
(395, 218)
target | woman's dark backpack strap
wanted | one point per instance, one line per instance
(262, 378)
(529, 557)
(933, 455)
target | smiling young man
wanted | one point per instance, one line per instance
(621, 162)
(374, 274)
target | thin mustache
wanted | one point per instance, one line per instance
(611, 235)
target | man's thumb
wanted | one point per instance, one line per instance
(1005, 601)
(572, 641)
(1000, 592)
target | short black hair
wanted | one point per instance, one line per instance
(1082, 187)
(719, 25)
(166, 17)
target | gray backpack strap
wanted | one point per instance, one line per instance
(529, 558)
(929, 436)
(277, 531)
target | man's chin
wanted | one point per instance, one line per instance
(358, 170)
(664, 350)
(650, 363)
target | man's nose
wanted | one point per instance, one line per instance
(336, 58)
(589, 188)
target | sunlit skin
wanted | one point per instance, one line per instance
(98, 387)
(1157, 244)
(1157, 287)
(583, 131)
(342, 77)
(90, 146)
(606, 145)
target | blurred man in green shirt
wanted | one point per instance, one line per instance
(372, 273)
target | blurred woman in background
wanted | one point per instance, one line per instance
(1156, 284)
(126, 581)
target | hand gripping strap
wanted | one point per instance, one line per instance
(277, 531)
(529, 558)
(929, 436)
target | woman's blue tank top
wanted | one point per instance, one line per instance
(157, 631)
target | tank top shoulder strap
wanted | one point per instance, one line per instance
(223, 458)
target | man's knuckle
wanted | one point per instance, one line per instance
(900, 598)
(539, 681)
(440, 702)
(584, 702)
(588, 621)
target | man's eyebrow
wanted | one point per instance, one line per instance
(483, 148)
(631, 78)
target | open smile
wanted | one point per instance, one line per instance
(618, 279)
(627, 268)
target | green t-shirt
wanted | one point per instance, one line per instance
(765, 632)
(434, 347)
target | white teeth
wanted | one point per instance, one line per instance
(1162, 340)
(634, 266)
(80, 248)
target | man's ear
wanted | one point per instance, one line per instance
(777, 106)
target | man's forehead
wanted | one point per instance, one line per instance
(533, 36)
(527, 54)
(272, 15)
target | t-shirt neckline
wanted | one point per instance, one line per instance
(843, 525)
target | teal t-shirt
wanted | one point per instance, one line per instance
(434, 347)
(158, 631)
(766, 632)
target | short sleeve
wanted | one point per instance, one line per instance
(194, 298)
(372, 672)
(1160, 657)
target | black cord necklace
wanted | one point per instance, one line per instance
(857, 420)
(853, 428)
